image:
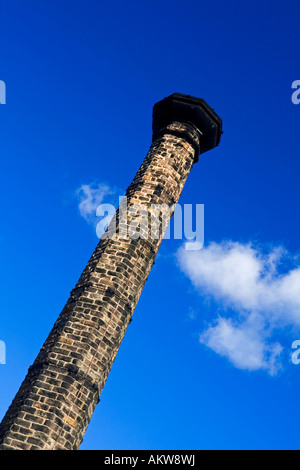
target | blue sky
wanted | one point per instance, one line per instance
(206, 362)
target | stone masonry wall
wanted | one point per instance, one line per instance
(54, 404)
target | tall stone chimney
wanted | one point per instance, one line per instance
(56, 400)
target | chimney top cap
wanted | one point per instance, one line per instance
(186, 108)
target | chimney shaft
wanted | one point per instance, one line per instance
(55, 402)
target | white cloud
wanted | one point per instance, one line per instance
(90, 196)
(245, 346)
(259, 299)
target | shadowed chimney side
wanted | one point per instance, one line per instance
(56, 400)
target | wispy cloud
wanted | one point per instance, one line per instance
(258, 294)
(89, 197)
(245, 346)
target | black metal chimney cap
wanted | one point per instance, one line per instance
(186, 108)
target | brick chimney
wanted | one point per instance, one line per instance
(56, 400)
